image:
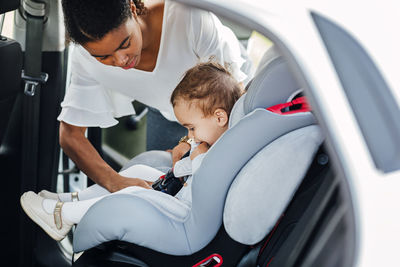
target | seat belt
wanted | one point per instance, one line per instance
(33, 77)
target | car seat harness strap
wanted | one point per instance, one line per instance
(295, 106)
(170, 184)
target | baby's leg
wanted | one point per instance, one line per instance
(87, 193)
(92, 191)
(46, 211)
(136, 171)
(74, 211)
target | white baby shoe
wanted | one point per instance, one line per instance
(48, 195)
(53, 224)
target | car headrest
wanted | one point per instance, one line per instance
(8, 5)
(273, 84)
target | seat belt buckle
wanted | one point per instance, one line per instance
(31, 83)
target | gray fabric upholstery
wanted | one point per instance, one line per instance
(164, 227)
(276, 83)
(237, 112)
(269, 55)
(135, 219)
(271, 85)
(265, 185)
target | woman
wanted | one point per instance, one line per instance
(127, 51)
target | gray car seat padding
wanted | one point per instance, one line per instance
(272, 85)
(266, 184)
(275, 83)
(271, 54)
(237, 112)
(137, 220)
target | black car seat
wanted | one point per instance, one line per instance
(10, 71)
(239, 193)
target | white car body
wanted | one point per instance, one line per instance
(375, 195)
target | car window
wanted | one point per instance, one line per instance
(6, 24)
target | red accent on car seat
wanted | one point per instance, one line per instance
(279, 109)
(162, 177)
(210, 260)
(271, 234)
(269, 262)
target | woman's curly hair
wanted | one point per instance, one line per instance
(90, 20)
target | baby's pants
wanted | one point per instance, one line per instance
(74, 211)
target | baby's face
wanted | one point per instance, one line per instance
(201, 128)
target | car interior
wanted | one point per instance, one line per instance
(272, 199)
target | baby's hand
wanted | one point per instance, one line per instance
(200, 149)
(179, 151)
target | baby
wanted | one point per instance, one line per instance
(202, 103)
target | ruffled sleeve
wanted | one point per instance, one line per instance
(88, 104)
(212, 39)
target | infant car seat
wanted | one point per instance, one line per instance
(243, 186)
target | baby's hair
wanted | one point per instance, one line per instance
(211, 85)
(90, 20)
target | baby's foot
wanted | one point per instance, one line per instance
(48, 195)
(53, 224)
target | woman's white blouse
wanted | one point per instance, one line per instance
(97, 94)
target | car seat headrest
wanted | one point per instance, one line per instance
(272, 84)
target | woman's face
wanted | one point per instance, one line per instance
(121, 47)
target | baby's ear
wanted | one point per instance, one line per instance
(221, 116)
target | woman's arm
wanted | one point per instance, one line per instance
(78, 148)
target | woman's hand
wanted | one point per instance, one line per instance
(179, 151)
(200, 149)
(124, 182)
